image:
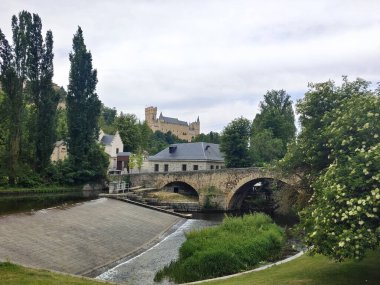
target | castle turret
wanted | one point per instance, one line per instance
(150, 115)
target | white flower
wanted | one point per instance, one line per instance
(341, 244)
(361, 222)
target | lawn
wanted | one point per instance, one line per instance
(315, 270)
(11, 274)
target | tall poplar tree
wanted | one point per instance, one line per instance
(83, 111)
(12, 78)
(40, 73)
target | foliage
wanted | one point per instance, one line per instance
(86, 158)
(139, 160)
(129, 131)
(211, 137)
(265, 148)
(234, 143)
(237, 244)
(13, 78)
(343, 220)
(107, 120)
(12, 274)
(160, 141)
(273, 128)
(311, 153)
(132, 161)
(45, 99)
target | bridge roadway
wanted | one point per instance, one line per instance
(81, 238)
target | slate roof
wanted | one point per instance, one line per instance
(59, 143)
(123, 154)
(172, 120)
(107, 139)
(199, 151)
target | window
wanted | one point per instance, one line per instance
(211, 167)
(166, 167)
(184, 167)
(195, 167)
(117, 150)
(217, 167)
(156, 168)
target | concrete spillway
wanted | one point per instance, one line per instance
(80, 238)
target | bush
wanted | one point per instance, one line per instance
(237, 244)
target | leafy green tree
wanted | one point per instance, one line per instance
(61, 125)
(211, 137)
(128, 128)
(145, 136)
(274, 123)
(265, 148)
(160, 141)
(107, 120)
(139, 160)
(132, 161)
(312, 152)
(83, 109)
(343, 218)
(234, 143)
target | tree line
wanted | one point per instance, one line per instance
(29, 117)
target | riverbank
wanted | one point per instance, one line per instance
(305, 270)
(312, 270)
(82, 237)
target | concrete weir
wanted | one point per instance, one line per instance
(81, 238)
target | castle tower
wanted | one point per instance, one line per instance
(150, 115)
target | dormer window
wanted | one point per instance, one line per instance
(172, 149)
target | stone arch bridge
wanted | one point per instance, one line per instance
(222, 189)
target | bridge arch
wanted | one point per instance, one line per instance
(258, 186)
(180, 187)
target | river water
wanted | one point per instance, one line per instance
(140, 270)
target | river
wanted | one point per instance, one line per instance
(140, 270)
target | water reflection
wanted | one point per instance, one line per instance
(141, 269)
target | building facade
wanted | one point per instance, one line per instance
(182, 129)
(187, 157)
(59, 151)
(112, 146)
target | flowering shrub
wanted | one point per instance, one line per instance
(343, 220)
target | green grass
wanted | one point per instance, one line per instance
(41, 189)
(316, 270)
(238, 244)
(11, 274)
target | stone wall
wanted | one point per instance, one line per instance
(215, 188)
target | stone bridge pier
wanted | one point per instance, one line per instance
(222, 189)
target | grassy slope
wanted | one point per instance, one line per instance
(314, 271)
(11, 274)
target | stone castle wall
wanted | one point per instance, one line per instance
(183, 131)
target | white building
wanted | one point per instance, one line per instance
(113, 145)
(187, 157)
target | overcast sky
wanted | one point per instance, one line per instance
(210, 58)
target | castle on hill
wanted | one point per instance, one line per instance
(181, 129)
